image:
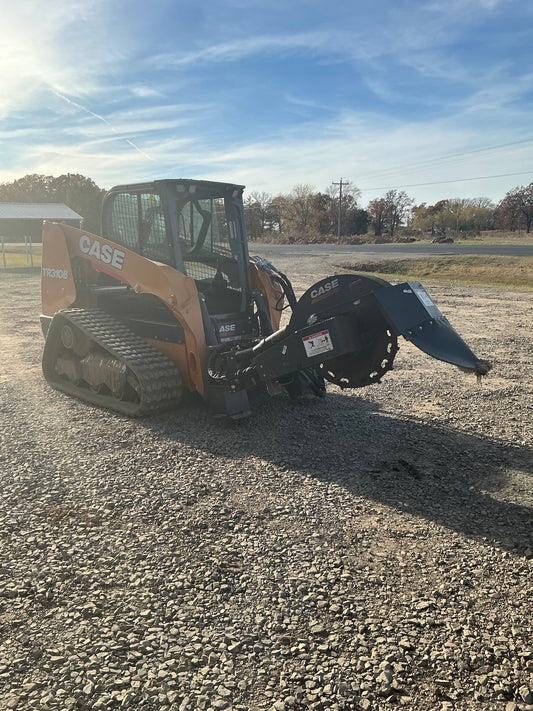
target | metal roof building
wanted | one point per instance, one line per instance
(25, 219)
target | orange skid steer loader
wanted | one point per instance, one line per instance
(168, 300)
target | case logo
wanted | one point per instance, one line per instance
(103, 252)
(227, 328)
(325, 289)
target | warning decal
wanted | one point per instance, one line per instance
(423, 296)
(317, 343)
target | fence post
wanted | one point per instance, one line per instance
(28, 249)
(4, 254)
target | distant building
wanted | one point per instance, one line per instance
(25, 219)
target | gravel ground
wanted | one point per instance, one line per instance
(372, 550)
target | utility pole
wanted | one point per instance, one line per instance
(340, 207)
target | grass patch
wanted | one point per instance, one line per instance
(15, 257)
(508, 272)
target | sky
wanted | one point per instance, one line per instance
(430, 97)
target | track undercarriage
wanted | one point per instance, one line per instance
(92, 356)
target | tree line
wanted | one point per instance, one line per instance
(76, 191)
(306, 215)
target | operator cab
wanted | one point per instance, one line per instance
(196, 227)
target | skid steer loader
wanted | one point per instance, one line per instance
(167, 300)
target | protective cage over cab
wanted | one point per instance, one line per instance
(197, 227)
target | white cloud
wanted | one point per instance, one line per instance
(144, 92)
(376, 153)
(459, 8)
(255, 45)
(56, 63)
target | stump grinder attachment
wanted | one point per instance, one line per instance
(168, 300)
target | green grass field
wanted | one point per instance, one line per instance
(15, 257)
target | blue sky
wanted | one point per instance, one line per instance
(433, 98)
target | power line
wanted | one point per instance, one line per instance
(443, 182)
(451, 156)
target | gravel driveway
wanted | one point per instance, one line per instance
(369, 551)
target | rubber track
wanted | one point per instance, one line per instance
(158, 377)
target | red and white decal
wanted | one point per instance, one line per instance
(317, 343)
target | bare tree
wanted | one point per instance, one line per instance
(377, 210)
(397, 209)
(279, 211)
(261, 202)
(342, 205)
(516, 209)
(301, 199)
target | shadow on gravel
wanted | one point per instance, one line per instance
(474, 485)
